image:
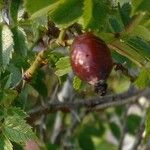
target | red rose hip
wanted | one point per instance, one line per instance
(91, 60)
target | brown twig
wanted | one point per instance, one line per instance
(90, 104)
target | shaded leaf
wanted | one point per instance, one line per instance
(133, 122)
(38, 83)
(95, 14)
(17, 130)
(6, 81)
(20, 42)
(85, 142)
(141, 5)
(140, 46)
(66, 13)
(125, 12)
(116, 25)
(8, 96)
(115, 130)
(14, 7)
(104, 145)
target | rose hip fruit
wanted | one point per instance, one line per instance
(91, 61)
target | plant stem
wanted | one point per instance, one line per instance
(61, 37)
(134, 22)
(41, 57)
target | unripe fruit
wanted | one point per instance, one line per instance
(91, 60)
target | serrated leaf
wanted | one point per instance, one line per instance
(16, 111)
(141, 5)
(143, 79)
(63, 66)
(41, 8)
(140, 46)
(127, 51)
(95, 14)
(14, 6)
(67, 13)
(77, 83)
(5, 144)
(6, 81)
(17, 130)
(8, 96)
(16, 74)
(125, 12)
(20, 42)
(7, 46)
(115, 24)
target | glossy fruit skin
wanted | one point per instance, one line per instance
(91, 59)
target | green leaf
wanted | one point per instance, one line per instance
(115, 24)
(5, 144)
(6, 81)
(141, 31)
(39, 8)
(17, 130)
(67, 13)
(14, 7)
(105, 145)
(147, 123)
(140, 46)
(125, 12)
(143, 79)
(33, 6)
(63, 66)
(2, 113)
(87, 12)
(8, 96)
(16, 111)
(121, 59)
(122, 48)
(95, 14)
(141, 5)
(7, 46)
(115, 130)
(77, 83)
(133, 122)
(20, 41)
(85, 142)
(16, 74)
(38, 83)
(53, 57)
